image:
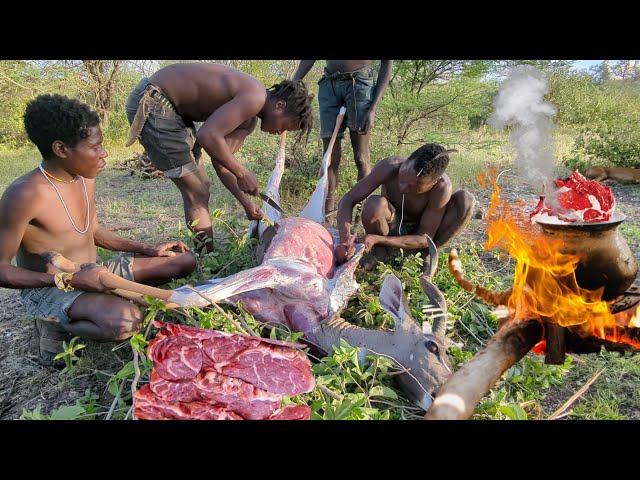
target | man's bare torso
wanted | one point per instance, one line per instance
(199, 89)
(414, 203)
(50, 228)
(341, 66)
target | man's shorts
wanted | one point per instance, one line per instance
(51, 302)
(354, 90)
(395, 229)
(169, 141)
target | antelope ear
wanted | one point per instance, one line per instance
(392, 298)
(426, 328)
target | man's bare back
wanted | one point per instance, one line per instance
(197, 90)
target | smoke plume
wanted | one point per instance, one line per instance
(520, 103)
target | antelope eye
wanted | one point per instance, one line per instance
(431, 346)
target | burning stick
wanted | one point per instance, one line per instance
(458, 397)
(489, 296)
(556, 349)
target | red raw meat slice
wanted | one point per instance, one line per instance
(579, 200)
(274, 369)
(196, 333)
(176, 358)
(207, 374)
(149, 406)
(225, 348)
(205, 411)
(173, 391)
(237, 395)
(292, 412)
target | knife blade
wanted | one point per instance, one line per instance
(271, 202)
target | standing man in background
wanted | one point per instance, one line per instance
(349, 83)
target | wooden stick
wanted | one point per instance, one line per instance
(564, 409)
(458, 397)
(556, 349)
(489, 296)
(122, 287)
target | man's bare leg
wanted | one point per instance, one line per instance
(195, 196)
(362, 157)
(332, 174)
(376, 216)
(159, 270)
(361, 154)
(103, 317)
(459, 211)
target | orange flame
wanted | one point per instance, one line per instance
(544, 284)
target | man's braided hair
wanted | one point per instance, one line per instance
(430, 160)
(298, 99)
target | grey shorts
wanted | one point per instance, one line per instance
(354, 90)
(53, 303)
(395, 229)
(169, 141)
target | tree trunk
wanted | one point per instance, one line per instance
(102, 75)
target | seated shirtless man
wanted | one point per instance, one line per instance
(416, 200)
(52, 208)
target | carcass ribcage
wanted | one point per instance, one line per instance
(303, 239)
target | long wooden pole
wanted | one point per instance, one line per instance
(458, 397)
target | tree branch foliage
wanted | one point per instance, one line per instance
(426, 101)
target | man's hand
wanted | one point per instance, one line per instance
(370, 241)
(248, 183)
(166, 249)
(88, 278)
(343, 252)
(253, 211)
(367, 123)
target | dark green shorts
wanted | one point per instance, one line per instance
(354, 90)
(395, 229)
(169, 141)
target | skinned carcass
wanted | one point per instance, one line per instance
(298, 284)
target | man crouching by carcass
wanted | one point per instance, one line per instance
(417, 199)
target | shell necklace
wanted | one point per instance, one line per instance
(86, 196)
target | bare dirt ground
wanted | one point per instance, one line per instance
(24, 384)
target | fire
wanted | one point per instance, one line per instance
(544, 284)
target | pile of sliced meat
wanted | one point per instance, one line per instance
(575, 199)
(211, 375)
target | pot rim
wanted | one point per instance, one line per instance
(616, 219)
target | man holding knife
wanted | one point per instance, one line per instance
(162, 110)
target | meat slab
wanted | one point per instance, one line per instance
(211, 375)
(576, 199)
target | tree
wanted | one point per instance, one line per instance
(102, 76)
